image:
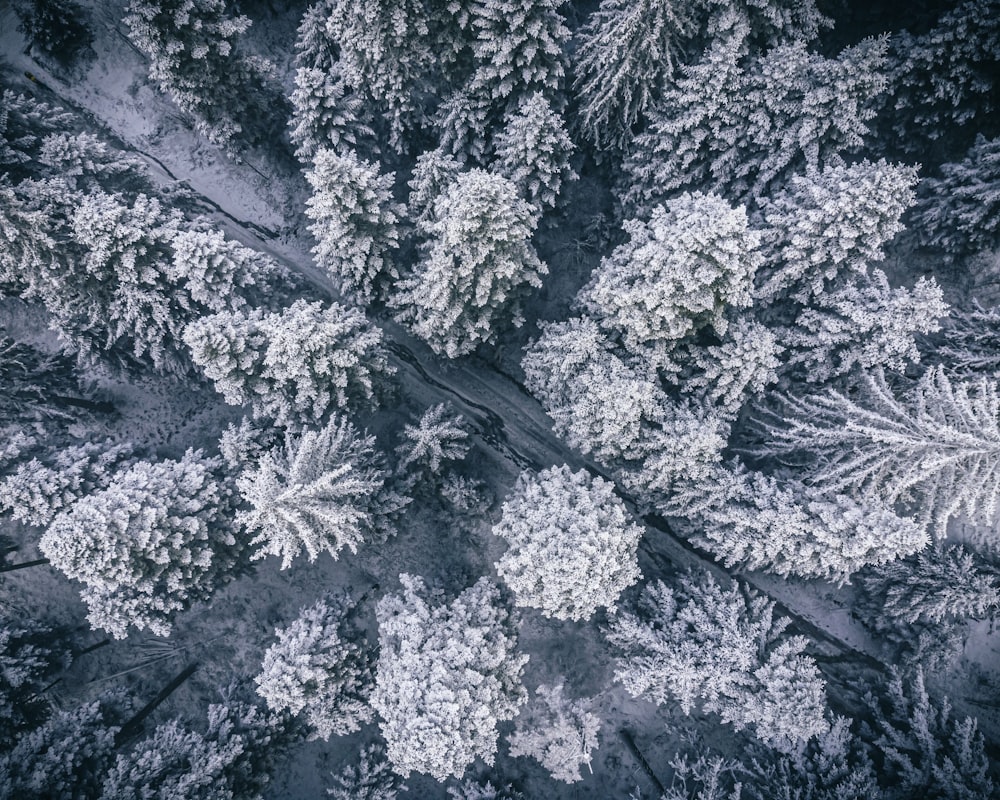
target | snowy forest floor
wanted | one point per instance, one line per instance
(260, 203)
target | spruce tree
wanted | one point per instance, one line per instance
(476, 265)
(157, 539)
(448, 674)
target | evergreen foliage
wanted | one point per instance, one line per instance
(755, 521)
(296, 366)
(572, 544)
(157, 539)
(827, 226)
(28, 661)
(56, 27)
(433, 173)
(925, 751)
(195, 59)
(741, 129)
(959, 213)
(935, 447)
(440, 436)
(447, 675)
(476, 265)
(371, 779)
(316, 667)
(231, 760)
(324, 492)
(726, 649)
(561, 734)
(354, 223)
(68, 756)
(533, 151)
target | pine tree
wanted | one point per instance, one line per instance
(441, 435)
(677, 273)
(36, 492)
(702, 778)
(475, 267)
(561, 734)
(87, 163)
(67, 757)
(29, 659)
(447, 675)
(354, 223)
(317, 668)
(743, 364)
(943, 80)
(398, 54)
(924, 751)
(969, 343)
(741, 129)
(326, 113)
(959, 213)
(57, 27)
(483, 790)
(296, 366)
(24, 122)
(195, 59)
(220, 273)
(726, 649)
(572, 544)
(830, 225)
(833, 766)
(433, 173)
(936, 447)
(939, 584)
(371, 779)
(154, 541)
(324, 492)
(27, 247)
(231, 760)
(533, 151)
(625, 55)
(862, 325)
(754, 521)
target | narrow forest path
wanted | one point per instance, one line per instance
(505, 417)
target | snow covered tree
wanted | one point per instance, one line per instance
(832, 766)
(936, 448)
(157, 539)
(220, 273)
(755, 521)
(326, 113)
(398, 54)
(969, 343)
(483, 790)
(35, 492)
(625, 55)
(324, 492)
(518, 47)
(831, 224)
(726, 649)
(29, 658)
(433, 173)
(559, 733)
(67, 757)
(195, 59)
(231, 760)
(944, 79)
(24, 121)
(959, 212)
(533, 151)
(27, 246)
(678, 272)
(743, 364)
(120, 294)
(317, 668)
(864, 324)
(371, 779)
(924, 751)
(447, 674)
(939, 584)
(476, 265)
(354, 223)
(295, 366)
(87, 162)
(702, 778)
(441, 435)
(572, 543)
(741, 129)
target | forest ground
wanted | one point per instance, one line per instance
(260, 203)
